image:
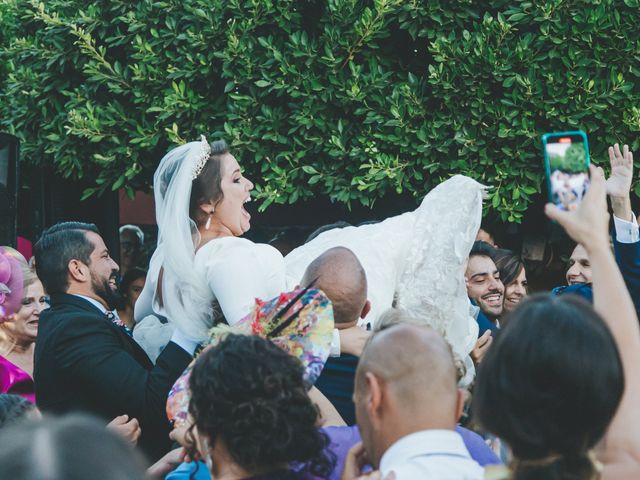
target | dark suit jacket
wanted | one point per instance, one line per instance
(85, 362)
(484, 323)
(336, 383)
(628, 260)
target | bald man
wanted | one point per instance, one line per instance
(340, 275)
(407, 405)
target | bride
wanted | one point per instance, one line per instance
(203, 273)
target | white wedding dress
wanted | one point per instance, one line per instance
(414, 261)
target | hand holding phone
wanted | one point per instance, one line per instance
(566, 156)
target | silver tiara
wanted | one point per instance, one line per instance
(205, 152)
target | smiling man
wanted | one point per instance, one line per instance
(483, 282)
(83, 360)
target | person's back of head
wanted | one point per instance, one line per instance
(249, 398)
(14, 408)
(549, 386)
(340, 275)
(398, 316)
(57, 246)
(406, 382)
(67, 448)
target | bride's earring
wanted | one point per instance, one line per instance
(208, 224)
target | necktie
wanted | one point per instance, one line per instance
(113, 318)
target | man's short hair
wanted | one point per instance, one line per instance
(482, 249)
(57, 246)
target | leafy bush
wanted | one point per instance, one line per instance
(349, 98)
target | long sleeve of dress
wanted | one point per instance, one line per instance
(238, 271)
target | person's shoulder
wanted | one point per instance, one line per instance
(226, 245)
(234, 249)
(69, 320)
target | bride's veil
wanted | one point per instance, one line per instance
(176, 293)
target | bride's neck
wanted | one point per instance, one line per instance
(214, 232)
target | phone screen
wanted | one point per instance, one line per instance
(568, 169)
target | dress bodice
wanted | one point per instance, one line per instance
(15, 380)
(237, 271)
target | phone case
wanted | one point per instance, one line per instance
(547, 166)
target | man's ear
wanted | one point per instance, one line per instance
(374, 400)
(78, 271)
(460, 399)
(366, 309)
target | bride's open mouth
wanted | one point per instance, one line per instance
(243, 210)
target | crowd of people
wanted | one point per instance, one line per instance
(404, 349)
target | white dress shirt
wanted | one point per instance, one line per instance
(626, 231)
(431, 454)
(93, 302)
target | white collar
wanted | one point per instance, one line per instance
(92, 301)
(425, 442)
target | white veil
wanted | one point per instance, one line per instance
(183, 300)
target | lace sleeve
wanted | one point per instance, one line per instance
(415, 259)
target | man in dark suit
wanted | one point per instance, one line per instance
(83, 360)
(339, 274)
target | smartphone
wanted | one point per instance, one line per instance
(566, 161)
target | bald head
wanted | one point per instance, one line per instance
(416, 365)
(339, 274)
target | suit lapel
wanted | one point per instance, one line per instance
(77, 302)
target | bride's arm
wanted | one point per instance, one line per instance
(238, 274)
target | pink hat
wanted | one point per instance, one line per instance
(11, 281)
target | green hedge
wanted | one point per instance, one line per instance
(349, 98)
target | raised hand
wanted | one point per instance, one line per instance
(619, 183)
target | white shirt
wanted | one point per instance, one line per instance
(93, 302)
(431, 454)
(626, 232)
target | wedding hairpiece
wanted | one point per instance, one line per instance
(205, 152)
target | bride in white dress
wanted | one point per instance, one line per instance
(202, 272)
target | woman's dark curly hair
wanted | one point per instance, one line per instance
(250, 394)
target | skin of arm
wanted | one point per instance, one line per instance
(328, 415)
(619, 183)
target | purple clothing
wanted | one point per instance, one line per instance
(15, 380)
(283, 475)
(343, 438)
